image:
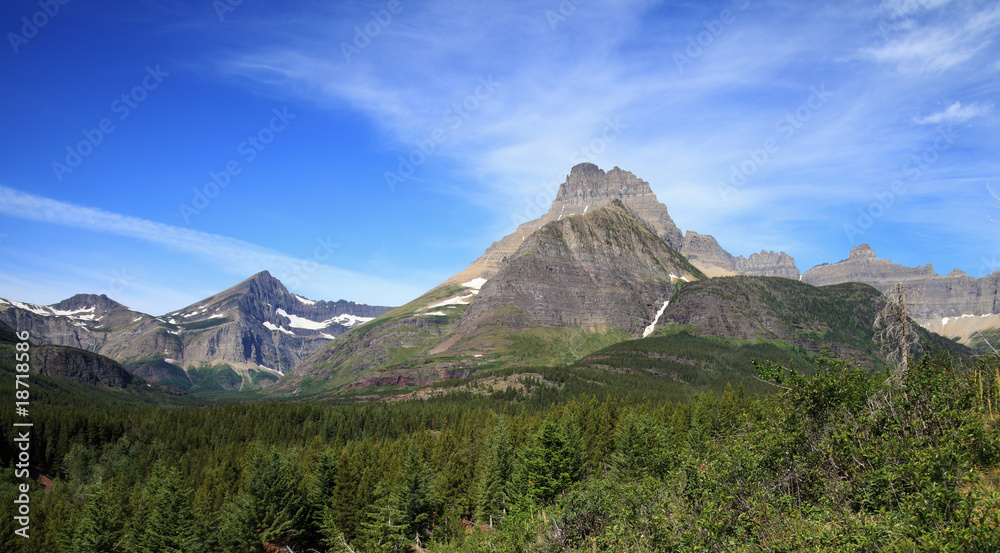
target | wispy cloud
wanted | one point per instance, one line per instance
(229, 255)
(685, 129)
(932, 36)
(955, 113)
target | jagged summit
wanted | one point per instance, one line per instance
(86, 301)
(588, 183)
(864, 251)
(587, 187)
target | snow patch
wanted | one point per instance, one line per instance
(457, 300)
(649, 329)
(172, 321)
(442, 313)
(137, 319)
(272, 327)
(585, 210)
(36, 309)
(309, 324)
(476, 283)
(269, 369)
(304, 300)
(71, 314)
(327, 336)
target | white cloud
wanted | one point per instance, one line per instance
(233, 256)
(955, 113)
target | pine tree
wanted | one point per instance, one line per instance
(269, 507)
(170, 524)
(415, 495)
(493, 494)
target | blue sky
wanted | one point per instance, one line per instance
(370, 150)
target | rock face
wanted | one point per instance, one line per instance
(604, 268)
(254, 326)
(705, 253)
(80, 366)
(767, 264)
(935, 297)
(586, 188)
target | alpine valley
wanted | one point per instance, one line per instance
(596, 381)
(605, 271)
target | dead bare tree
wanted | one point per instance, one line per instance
(895, 332)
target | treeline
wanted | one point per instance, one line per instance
(842, 460)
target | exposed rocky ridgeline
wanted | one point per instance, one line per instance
(81, 366)
(577, 284)
(768, 264)
(955, 305)
(255, 326)
(604, 268)
(588, 187)
(704, 252)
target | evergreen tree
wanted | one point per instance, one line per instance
(101, 527)
(493, 493)
(269, 507)
(415, 496)
(169, 527)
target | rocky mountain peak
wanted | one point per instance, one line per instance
(864, 251)
(589, 183)
(86, 301)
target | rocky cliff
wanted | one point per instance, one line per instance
(587, 187)
(255, 326)
(705, 253)
(955, 304)
(604, 268)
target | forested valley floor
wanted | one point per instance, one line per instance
(842, 460)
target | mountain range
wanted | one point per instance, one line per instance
(246, 336)
(605, 266)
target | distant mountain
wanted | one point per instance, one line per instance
(714, 328)
(588, 187)
(250, 334)
(580, 282)
(705, 253)
(954, 305)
